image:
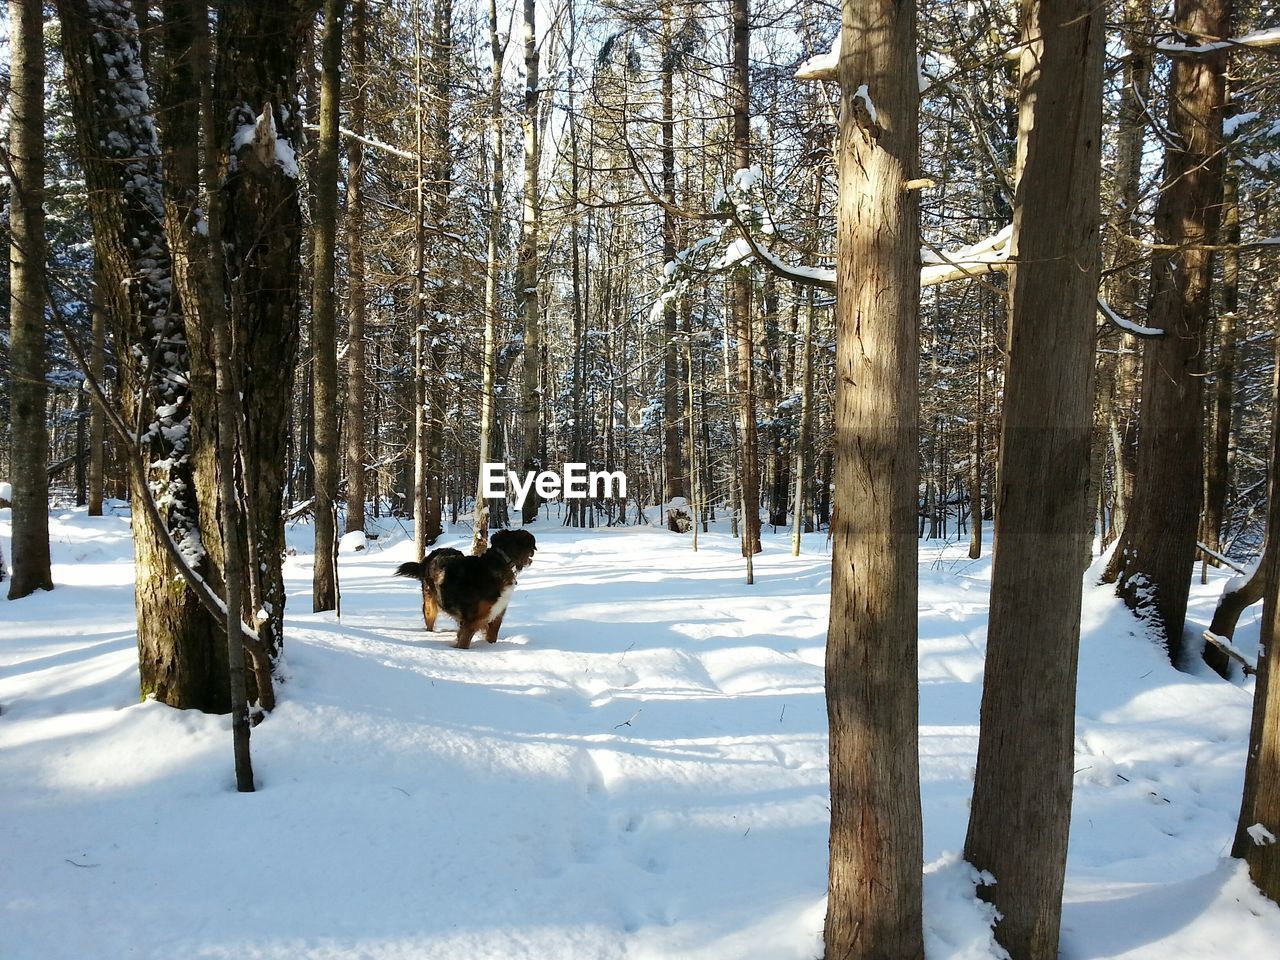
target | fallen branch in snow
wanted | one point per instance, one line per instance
(1233, 652)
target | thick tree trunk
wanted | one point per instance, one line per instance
(1019, 819)
(260, 48)
(253, 266)
(354, 438)
(324, 316)
(1260, 801)
(874, 892)
(1153, 563)
(29, 434)
(182, 660)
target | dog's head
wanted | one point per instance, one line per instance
(519, 545)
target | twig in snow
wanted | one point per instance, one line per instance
(627, 722)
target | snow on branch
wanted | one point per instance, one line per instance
(988, 255)
(367, 141)
(749, 234)
(1128, 326)
(822, 66)
(1256, 39)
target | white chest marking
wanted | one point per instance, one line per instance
(500, 605)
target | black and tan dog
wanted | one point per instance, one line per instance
(474, 591)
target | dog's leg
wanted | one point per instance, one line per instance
(430, 609)
(465, 632)
(492, 627)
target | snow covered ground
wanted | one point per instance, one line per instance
(636, 770)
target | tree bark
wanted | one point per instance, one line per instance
(356, 453)
(441, 176)
(97, 423)
(180, 657)
(1260, 801)
(324, 315)
(676, 484)
(749, 473)
(1021, 808)
(874, 890)
(527, 272)
(480, 539)
(29, 433)
(1153, 563)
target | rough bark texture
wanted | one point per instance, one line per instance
(1153, 563)
(1021, 808)
(440, 175)
(324, 315)
(1260, 801)
(252, 267)
(255, 83)
(29, 434)
(874, 893)
(354, 439)
(675, 483)
(492, 303)
(749, 472)
(181, 659)
(1124, 286)
(97, 423)
(527, 272)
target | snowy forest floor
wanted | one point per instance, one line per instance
(637, 769)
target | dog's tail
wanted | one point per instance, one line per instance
(414, 570)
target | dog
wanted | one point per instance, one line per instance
(474, 591)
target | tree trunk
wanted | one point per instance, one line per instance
(1260, 801)
(492, 304)
(1153, 563)
(440, 172)
(29, 433)
(181, 658)
(324, 315)
(1122, 412)
(527, 272)
(97, 422)
(1019, 820)
(676, 484)
(1218, 465)
(356, 454)
(874, 892)
(749, 472)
